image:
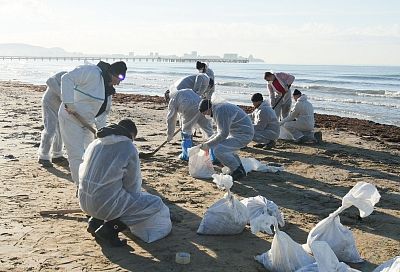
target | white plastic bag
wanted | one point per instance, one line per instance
(260, 210)
(284, 255)
(251, 164)
(227, 216)
(339, 237)
(154, 228)
(392, 265)
(284, 134)
(200, 165)
(326, 260)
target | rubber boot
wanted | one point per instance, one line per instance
(186, 143)
(93, 225)
(238, 173)
(108, 232)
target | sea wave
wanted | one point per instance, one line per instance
(355, 101)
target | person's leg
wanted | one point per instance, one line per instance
(285, 109)
(293, 128)
(50, 121)
(225, 153)
(186, 143)
(108, 232)
(73, 136)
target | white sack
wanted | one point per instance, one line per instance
(326, 260)
(340, 238)
(392, 265)
(251, 164)
(227, 216)
(260, 210)
(200, 165)
(154, 228)
(285, 254)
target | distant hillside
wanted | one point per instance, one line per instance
(20, 49)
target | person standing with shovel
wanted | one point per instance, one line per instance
(85, 95)
(279, 92)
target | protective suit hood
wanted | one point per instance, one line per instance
(113, 129)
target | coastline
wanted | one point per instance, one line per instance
(315, 179)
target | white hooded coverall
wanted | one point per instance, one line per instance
(185, 102)
(300, 121)
(82, 90)
(51, 137)
(198, 83)
(234, 131)
(211, 89)
(282, 108)
(266, 125)
(110, 187)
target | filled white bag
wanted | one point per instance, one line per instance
(260, 210)
(227, 216)
(200, 165)
(392, 265)
(326, 260)
(285, 254)
(340, 238)
(154, 228)
(251, 164)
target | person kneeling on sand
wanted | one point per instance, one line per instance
(299, 125)
(51, 136)
(234, 131)
(265, 122)
(110, 189)
(185, 102)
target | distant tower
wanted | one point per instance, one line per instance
(131, 54)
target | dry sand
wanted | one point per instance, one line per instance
(311, 187)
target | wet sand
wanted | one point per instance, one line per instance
(311, 187)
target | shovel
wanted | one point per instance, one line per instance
(148, 155)
(84, 123)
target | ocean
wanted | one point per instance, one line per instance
(363, 92)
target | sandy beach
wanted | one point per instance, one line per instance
(315, 179)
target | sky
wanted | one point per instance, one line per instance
(353, 32)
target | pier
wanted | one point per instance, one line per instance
(127, 58)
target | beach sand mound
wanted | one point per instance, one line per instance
(311, 187)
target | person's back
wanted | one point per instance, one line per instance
(266, 124)
(232, 121)
(198, 83)
(303, 112)
(101, 175)
(110, 188)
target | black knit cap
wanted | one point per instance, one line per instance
(118, 69)
(296, 92)
(204, 105)
(257, 97)
(129, 125)
(200, 65)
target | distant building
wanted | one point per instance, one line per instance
(131, 54)
(230, 56)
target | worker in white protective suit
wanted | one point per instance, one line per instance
(50, 137)
(203, 68)
(198, 83)
(299, 125)
(279, 92)
(234, 131)
(265, 122)
(110, 189)
(185, 102)
(85, 91)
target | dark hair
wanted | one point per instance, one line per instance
(129, 125)
(118, 68)
(200, 65)
(204, 105)
(296, 92)
(257, 97)
(267, 74)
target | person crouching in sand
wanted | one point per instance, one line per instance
(110, 189)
